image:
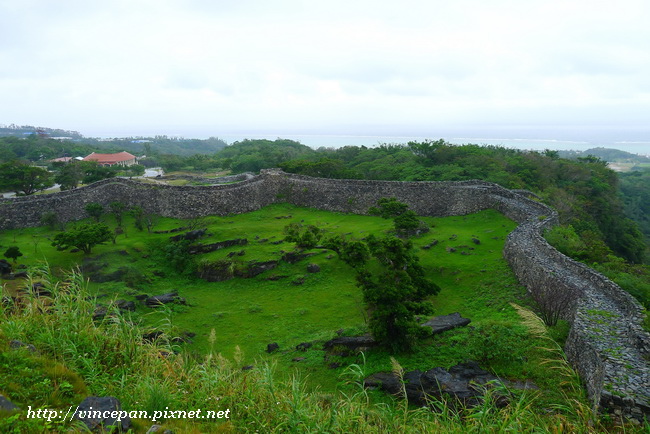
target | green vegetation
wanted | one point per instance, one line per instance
(235, 319)
(13, 253)
(405, 221)
(23, 178)
(395, 294)
(78, 356)
(83, 236)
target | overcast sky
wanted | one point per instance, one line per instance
(211, 67)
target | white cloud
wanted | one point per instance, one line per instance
(294, 65)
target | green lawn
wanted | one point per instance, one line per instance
(250, 313)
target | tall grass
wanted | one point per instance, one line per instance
(112, 360)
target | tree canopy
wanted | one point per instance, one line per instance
(83, 237)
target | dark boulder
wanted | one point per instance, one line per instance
(254, 268)
(206, 248)
(100, 312)
(6, 405)
(125, 305)
(293, 257)
(303, 346)
(464, 383)
(354, 343)
(5, 267)
(152, 336)
(272, 347)
(16, 344)
(190, 236)
(313, 268)
(386, 381)
(159, 300)
(443, 323)
(105, 407)
(39, 290)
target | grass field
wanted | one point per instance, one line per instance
(239, 317)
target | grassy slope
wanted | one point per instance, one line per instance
(249, 313)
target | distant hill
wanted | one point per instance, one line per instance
(607, 154)
(134, 145)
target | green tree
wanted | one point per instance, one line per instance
(13, 253)
(50, 219)
(118, 209)
(23, 178)
(70, 175)
(138, 217)
(305, 237)
(83, 237)
(395, 293)
(405, 221)
(93, 172)
(94, 210)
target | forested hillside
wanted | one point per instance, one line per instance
(586, 193)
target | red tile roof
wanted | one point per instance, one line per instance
(110, 158)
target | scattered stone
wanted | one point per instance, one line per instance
(431, 244)
(293, 257)
(5, 267)
(159, 300)
(277, 242)
(275, 277)
(152, 336)
(334, 365)
(451, 249)
(465, 383)
(190, 236)
(247, 367)
(299, 281)
(329, 257)
(453, 237)
(443, 323)
(254, 268)
(102, 406)
(476, 241)
(272, 347)
(21, 275)
(303, 346)
(125, 305)
(6, 405)
(263, 240)
(195, 249)
(15, 344)
(141, 297)
(39, 290)
(100, 312)
(298, 359)
(386, 381)
(313, 268)
(354, 343)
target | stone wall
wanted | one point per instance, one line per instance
(606, 343)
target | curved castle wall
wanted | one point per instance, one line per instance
(606, 343)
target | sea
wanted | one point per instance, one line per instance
(634, 141)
